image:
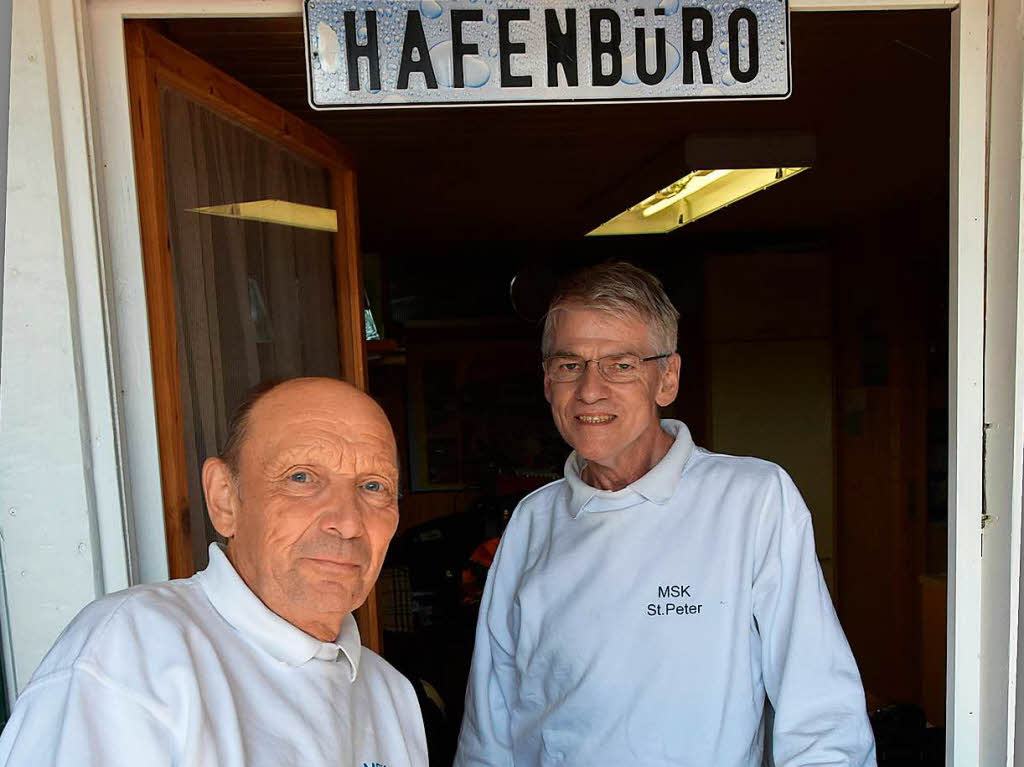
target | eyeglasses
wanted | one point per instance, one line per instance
(615, 368)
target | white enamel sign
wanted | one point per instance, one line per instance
(391, 53)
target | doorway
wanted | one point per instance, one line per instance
(829, 292)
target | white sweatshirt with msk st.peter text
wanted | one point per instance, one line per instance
(646, 626)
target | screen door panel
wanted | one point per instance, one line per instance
(255, 301)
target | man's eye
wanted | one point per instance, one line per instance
(623, 366)
(300, 476)
(570, 367)
(373, 486)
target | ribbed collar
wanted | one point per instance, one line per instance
(657, 486)
(241, 608)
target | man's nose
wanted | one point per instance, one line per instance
(591, 386)
(342, 514)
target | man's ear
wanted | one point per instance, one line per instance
(221, 491)
(668, 385)
(547, 388)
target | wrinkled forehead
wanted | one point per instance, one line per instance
(344, 454)
(348, 440)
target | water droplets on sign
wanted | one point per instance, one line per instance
(475, 70)
(529, 51)
(629, 64)
(328, 48)
(430, 8)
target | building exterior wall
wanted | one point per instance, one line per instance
(44, 481)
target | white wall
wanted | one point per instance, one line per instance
(57, 552)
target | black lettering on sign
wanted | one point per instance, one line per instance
(460, 48)
(561, 47)
(660, 66)
(415, 42)
(692, 45)
(747, 15)
(368, 50)
(599, 48)
(506, 48)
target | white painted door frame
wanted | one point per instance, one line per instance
(87, 50)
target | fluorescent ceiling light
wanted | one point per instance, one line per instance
(277, 212)
(693, 196)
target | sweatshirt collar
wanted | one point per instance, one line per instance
(657, 486)
(241, 608)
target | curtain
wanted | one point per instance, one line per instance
(254, 301)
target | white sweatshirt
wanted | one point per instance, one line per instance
(645, 626)
(200, 672)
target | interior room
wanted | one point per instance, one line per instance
(813, 330)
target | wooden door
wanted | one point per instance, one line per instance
(162, 73)
(883, 404)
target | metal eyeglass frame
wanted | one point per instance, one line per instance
(600, 370)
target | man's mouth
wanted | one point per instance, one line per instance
(334, 564)
(595, 419)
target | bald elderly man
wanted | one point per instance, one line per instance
(256, 660)
(642, 610)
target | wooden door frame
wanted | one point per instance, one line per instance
(154, 61)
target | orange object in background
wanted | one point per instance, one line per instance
(484, 553)
(474, 574)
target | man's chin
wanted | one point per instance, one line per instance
(595, 448)
(335, 595)
(336, 602)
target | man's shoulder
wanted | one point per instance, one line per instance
(378, 673)
(536, 510)
(125, 623)
(544, 498)
(734, 468)
(753, 484)
(374, 668)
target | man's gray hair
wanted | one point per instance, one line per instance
(619, 288)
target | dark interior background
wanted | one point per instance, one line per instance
(456, 203)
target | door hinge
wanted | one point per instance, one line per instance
(985, 516)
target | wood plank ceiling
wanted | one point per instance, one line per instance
(871, 88)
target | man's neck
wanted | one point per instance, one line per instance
(639, 459)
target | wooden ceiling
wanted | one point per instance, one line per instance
(871, 88)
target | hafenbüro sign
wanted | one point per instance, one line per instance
(388, 53)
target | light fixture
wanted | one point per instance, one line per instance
(277, 212)
(693, 196)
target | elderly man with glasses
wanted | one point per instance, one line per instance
(643, 609)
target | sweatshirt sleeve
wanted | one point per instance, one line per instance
(79, 718)
(810, 674)
(486, 736)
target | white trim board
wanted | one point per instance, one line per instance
(968, 137)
